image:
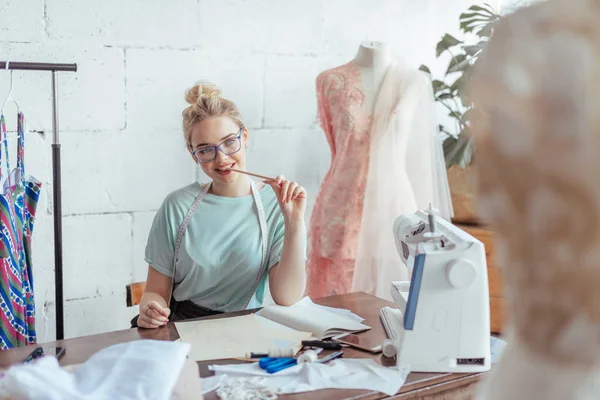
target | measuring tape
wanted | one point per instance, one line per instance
(264, 230)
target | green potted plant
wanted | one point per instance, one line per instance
(477, 25)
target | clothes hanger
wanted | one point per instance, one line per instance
(9, 97)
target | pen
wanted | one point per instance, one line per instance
(330, 357)
(321, 344)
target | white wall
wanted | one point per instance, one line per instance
(509, 6)
(120, 113)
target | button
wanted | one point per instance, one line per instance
(461, 273)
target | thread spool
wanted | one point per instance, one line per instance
(274, 353)
(432, 222)
(388, 348)
(309, 356)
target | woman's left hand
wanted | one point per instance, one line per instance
(291, 196)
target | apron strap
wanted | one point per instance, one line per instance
(181, 231)
(264, 230)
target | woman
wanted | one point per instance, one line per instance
(228, 241)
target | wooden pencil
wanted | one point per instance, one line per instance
(251, 174)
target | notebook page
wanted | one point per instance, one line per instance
(317, 320)
(234, 337)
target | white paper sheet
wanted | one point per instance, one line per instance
(339, 374)
(234, 337)
(496, 349)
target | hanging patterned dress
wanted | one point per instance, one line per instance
(18, 203)
(336, 216)
(387, 160)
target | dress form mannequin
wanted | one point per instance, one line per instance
(379, 119)
(373, 60)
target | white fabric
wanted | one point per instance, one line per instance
(338, 374)
(406, 172)
(139, 370)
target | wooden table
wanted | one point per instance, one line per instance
(417, 386)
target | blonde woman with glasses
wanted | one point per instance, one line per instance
(220, 246)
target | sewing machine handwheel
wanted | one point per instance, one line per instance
(461, 273)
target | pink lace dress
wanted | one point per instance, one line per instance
(336, 216)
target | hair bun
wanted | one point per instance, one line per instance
(201, 89)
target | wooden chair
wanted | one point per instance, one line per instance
(134, 293)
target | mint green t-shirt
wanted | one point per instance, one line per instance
(221, 251)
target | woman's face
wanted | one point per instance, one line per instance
(225, 133)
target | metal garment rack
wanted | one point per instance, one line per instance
(56, 179)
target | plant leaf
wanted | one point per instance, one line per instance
(447, 42)
(463, 95)
(439, 85)
(466, 117)
(467, 15)
(442, 129)
(444, 96)
(458, 151)
(458, 63)
(471, 24)
(487, 30)
(448, 146)
(484, 10)
(475, 49)
(460, 85)
(424, 68)
(455, 114)
(491, 9)
(467, 155)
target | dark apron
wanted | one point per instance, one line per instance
(180, 311)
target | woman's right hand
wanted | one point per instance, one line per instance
(153, 315)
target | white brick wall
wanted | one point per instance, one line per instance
(120, 114)
(509, 6)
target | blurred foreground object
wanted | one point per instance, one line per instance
(537, 184)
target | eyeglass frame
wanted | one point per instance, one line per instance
(217, 147)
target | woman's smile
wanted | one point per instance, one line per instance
(225, 170)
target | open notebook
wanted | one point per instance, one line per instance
(274, 327)
(322, 322)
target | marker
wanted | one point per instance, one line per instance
(322, 345)
(258, 355)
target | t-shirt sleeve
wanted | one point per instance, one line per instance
(161, 239)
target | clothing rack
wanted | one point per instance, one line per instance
(56, 179)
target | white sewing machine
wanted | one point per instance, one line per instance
(442, 323)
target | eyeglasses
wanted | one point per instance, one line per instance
(227, 147)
